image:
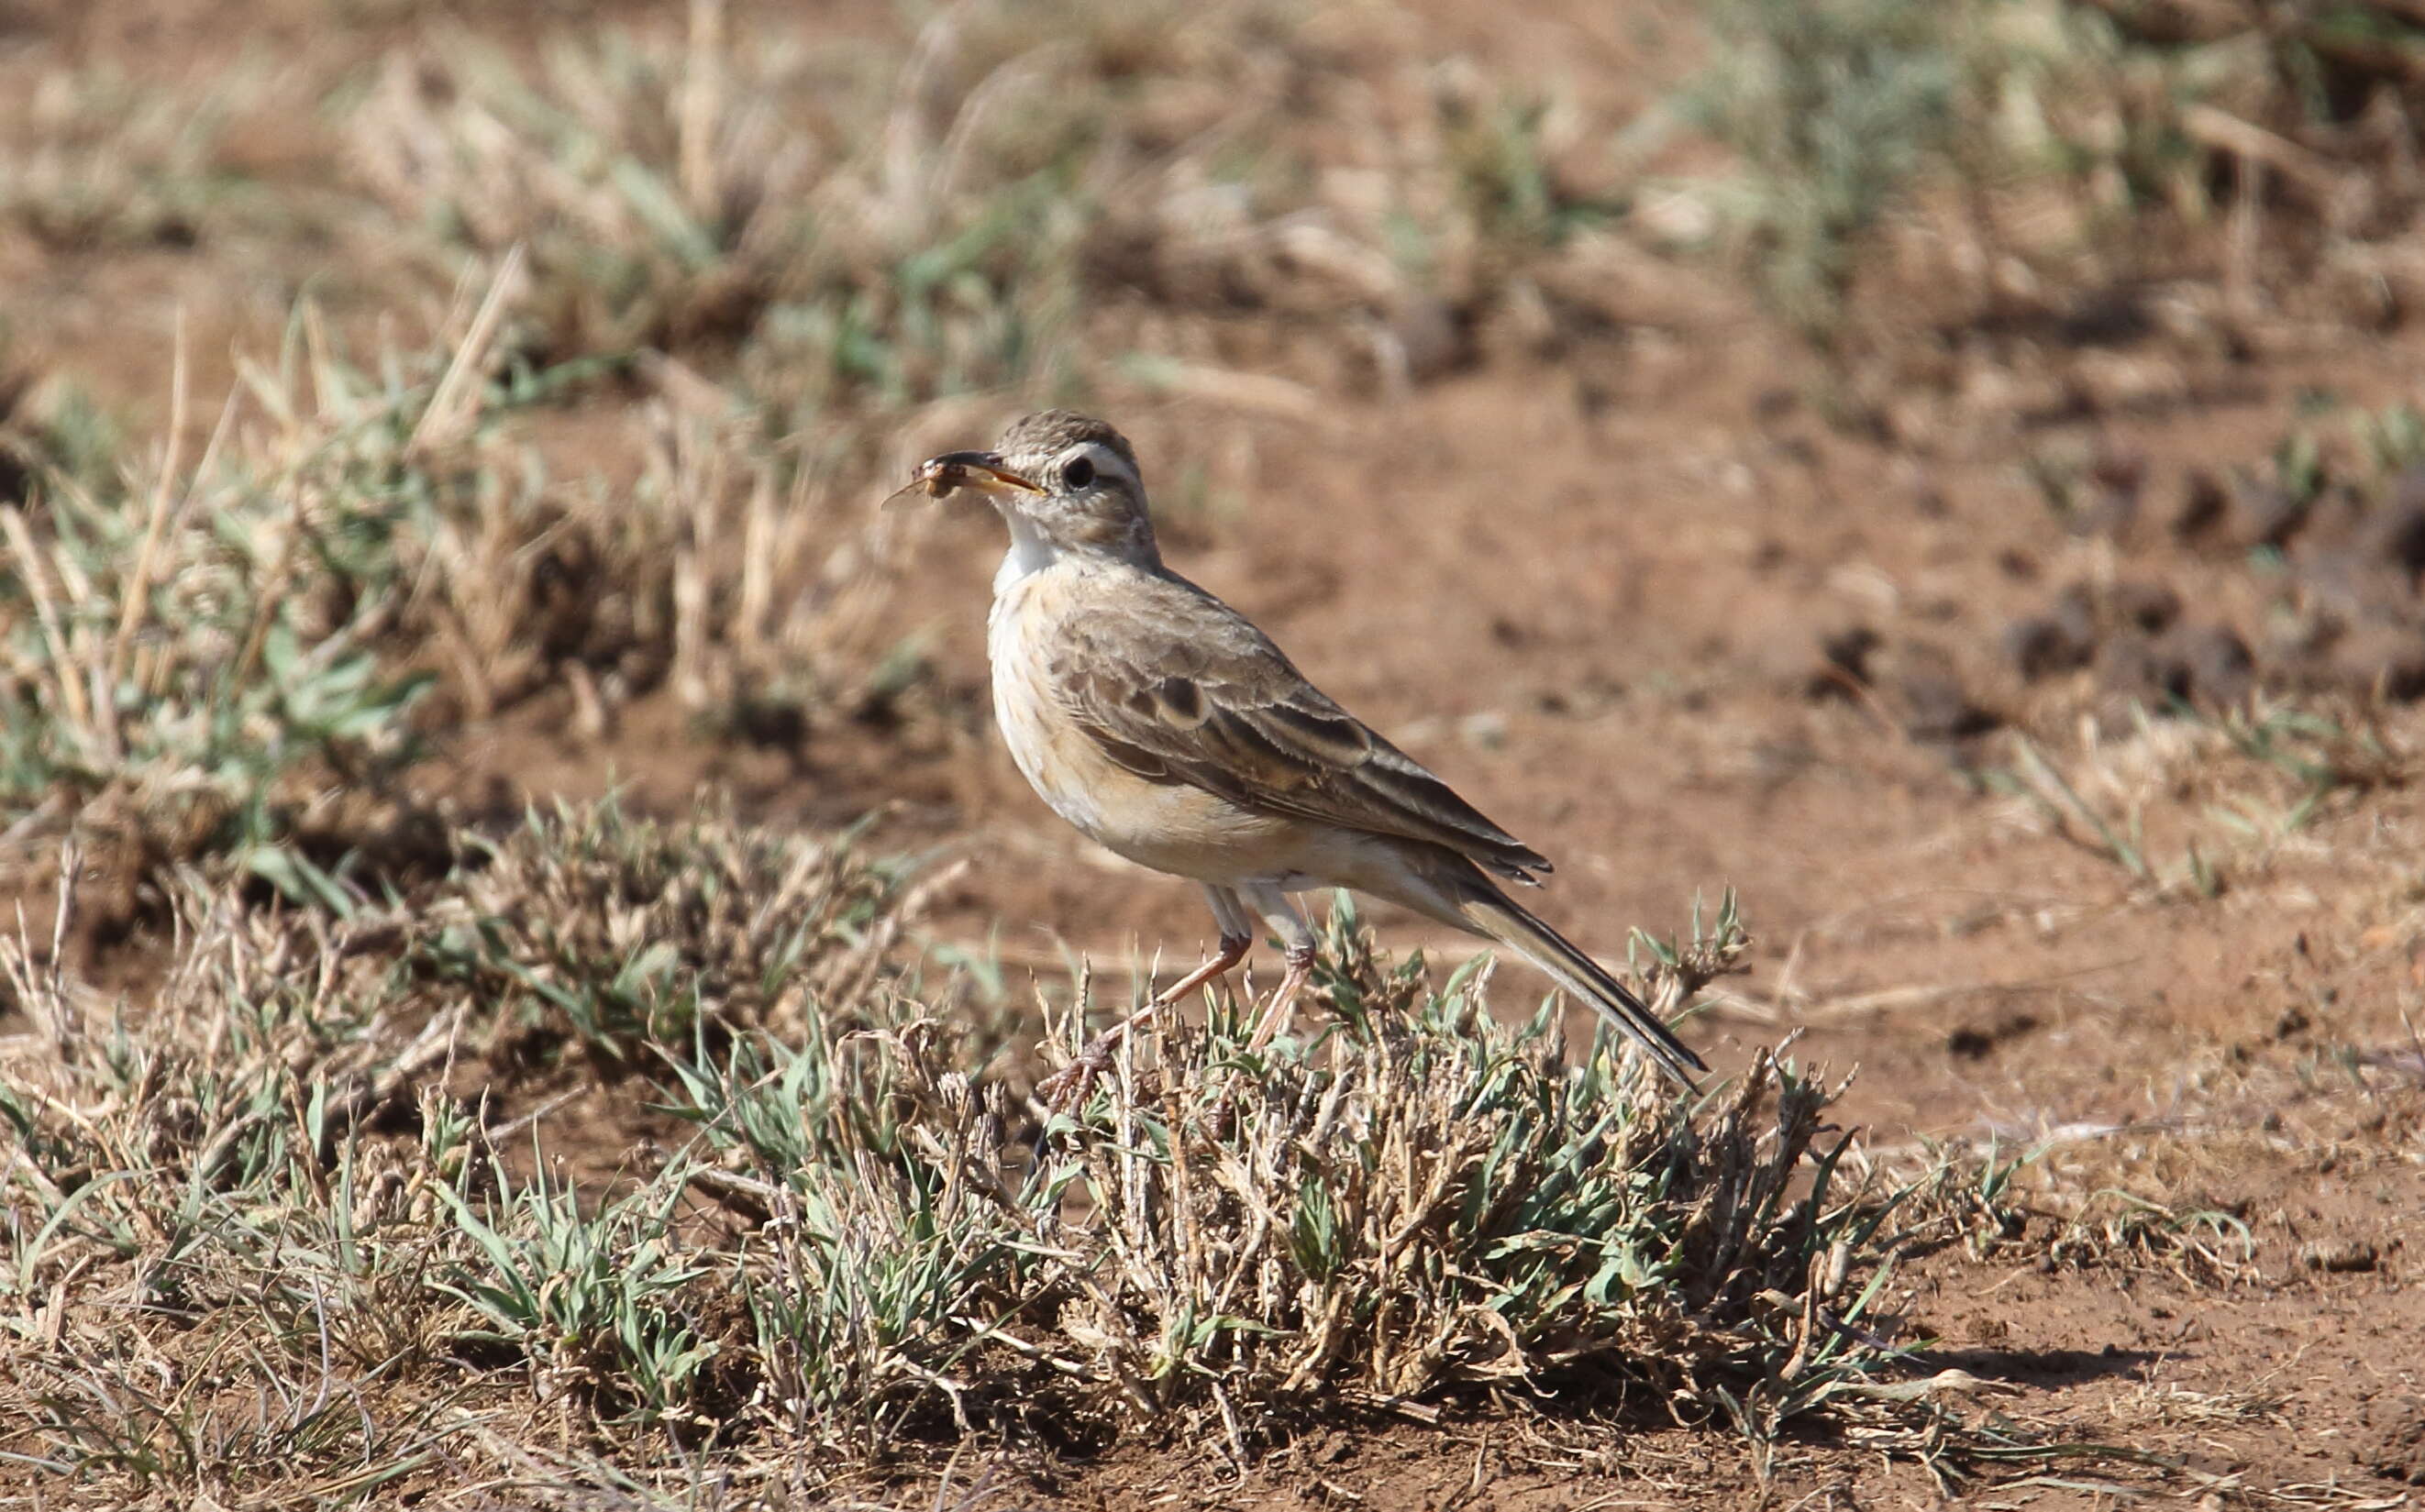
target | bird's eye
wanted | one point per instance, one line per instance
(1079, 473)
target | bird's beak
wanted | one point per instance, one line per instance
(981, 471)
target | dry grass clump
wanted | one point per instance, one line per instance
(227, 657)
(1425, 1202)
(657, 189)
(2046, 153)
(589, 924)
(1014, 196)
(191, 656)
(681, 193)
(2232, 798)
(275, 1231)
(778, 568)
(100, 160)
(2013, 1206)
(737, 574)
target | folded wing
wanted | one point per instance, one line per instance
(1184, 689)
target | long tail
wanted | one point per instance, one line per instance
(1490, 912)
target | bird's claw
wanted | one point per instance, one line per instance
(1066, 1090)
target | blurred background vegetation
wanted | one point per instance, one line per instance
(765, 254)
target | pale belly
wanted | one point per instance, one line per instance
(1169, 827)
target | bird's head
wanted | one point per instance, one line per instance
(1069, 480)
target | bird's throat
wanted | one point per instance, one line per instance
(1030, 553)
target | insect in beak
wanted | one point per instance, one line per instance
(938, 477)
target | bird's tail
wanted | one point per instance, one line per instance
(1490, 912)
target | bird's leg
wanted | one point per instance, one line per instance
(1276, 1018)
(1299, 943)
(1297, 940)
(1232, 951)
(1068, 1085)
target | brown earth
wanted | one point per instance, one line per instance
(1594, 591)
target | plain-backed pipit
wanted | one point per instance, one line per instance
(1165, 727)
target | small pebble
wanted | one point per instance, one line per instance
(2204, 501)
(2131, 666)
(2221, 670)
(2386, 661)
(2151, 606)
(2395, 533)
(2041, 646)
(1937, 708)
(2075, 610)
(1849, 652)
(2265, 514)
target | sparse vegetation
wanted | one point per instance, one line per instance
(2047, 151)
(1995, 1204)
(377, 1124)
(305, 1151)
(105, 163)
(1013, 199)
(192, 656)
(2248, 781)
(225, 658)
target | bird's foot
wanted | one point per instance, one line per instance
(1066, 1090)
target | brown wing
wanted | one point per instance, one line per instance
(1180, 687)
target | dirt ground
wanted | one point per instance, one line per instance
(1607, 593)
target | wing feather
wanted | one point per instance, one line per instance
(1183, 689)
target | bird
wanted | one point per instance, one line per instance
(1168, 728)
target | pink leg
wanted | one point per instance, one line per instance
(1276, 1017)
(1301, 950)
